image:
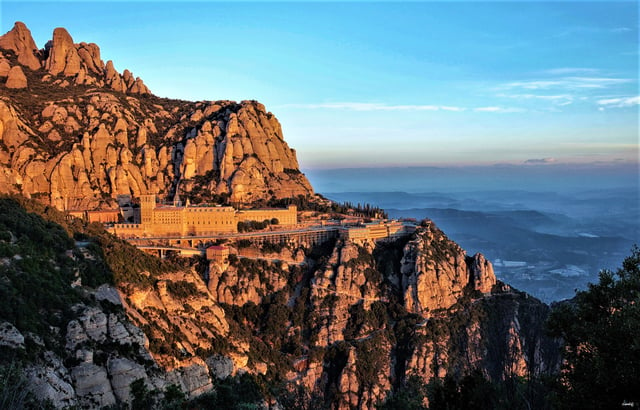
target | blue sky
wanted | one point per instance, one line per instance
(359, 84)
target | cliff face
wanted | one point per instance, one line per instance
(78, 133)
(435, 272)
(76, 339)
(362, 317)
(344, 322)
(424, 308)
(347, 323)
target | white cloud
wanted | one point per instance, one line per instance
(498, 109)
(537, 96)
(488, 109)
(619, 102)
(568, 83)
(540, 161)
(596, 82)
(358, 106)
(571, 70)
(533, 85)
(580, 30)
(557, 100)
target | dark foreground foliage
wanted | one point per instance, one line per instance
(472, 391)
(601, 332)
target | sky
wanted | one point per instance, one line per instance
(371, 84)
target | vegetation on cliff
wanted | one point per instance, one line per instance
(50, 268)
(600, 329)
(36, 272)
(448, 358)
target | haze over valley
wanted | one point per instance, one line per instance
(548, 229)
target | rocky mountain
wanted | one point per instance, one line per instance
(345, 329)
(87, 320)
(76, 132)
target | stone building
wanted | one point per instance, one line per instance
(376, 230)
(104, 216)
(196, 220)
(217, 253)
(287, 216)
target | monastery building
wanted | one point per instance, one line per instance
(195, 220)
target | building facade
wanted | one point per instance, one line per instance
(376, 231)
(287, 216)
(196, 220)
(217, 253)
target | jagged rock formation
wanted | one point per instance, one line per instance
(81, 61)
(437, 284)
(108, 354)
(349, 324)
(376, 313)
(19, 41)
(197, 315)
(83, 346)
(435, 272)
(10, 336)
(79, 134)
(5, 67)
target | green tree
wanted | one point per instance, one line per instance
(409, 396)
(141, 397)
(473, 391)
(174, 398)
(13, 387)
(600, 328)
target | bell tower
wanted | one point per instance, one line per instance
(147, 204)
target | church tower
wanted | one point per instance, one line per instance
(147, 205)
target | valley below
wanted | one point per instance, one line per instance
(545, 243)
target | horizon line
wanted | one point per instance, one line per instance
(523, 164)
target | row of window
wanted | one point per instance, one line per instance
(210, 209)
(215, 222)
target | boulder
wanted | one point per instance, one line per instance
(16, 78)
(122, 373)
(220, 366)
(193, 380)
(90, 57)
(92, 386)
(4, 67)
(482, 275)
(10, 336)
(51, 380)
(108, 293)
